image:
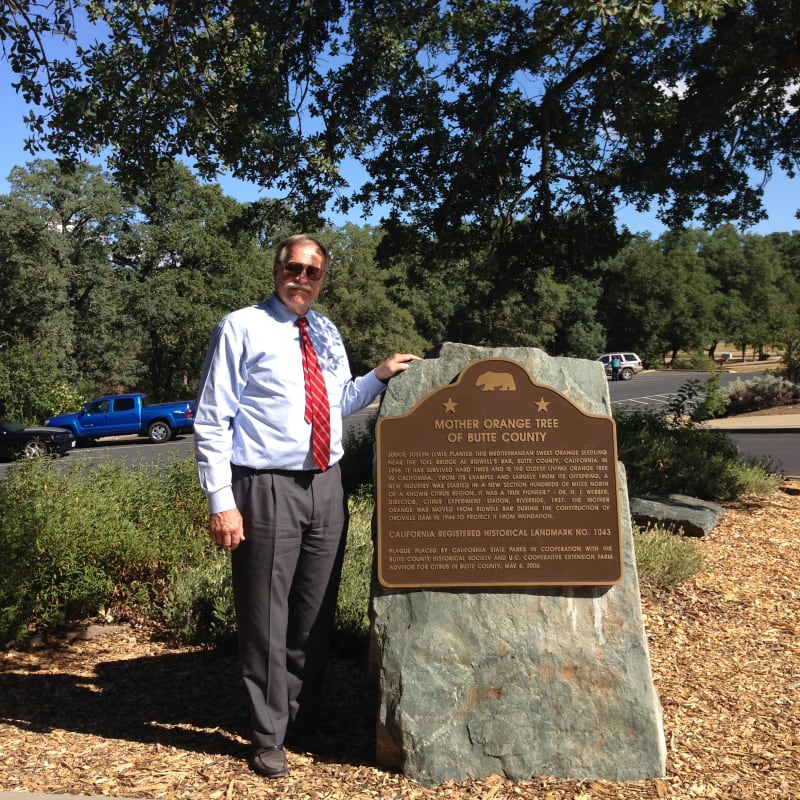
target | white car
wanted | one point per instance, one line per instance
(629, 364)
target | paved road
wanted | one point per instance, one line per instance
(769, 441)
(651, 390)
(780, 449)
(134, 450)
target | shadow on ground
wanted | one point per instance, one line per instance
(189, 700)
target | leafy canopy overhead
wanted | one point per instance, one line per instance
(473, 111)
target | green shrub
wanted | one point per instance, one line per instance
(696, 401)
(62, 398)
(198, 605)
(352, 612)
(696, 360)
(29, 371)
(766, 391)
(791, 361)
(661, 455)
(712, 403)
(78, 539)
(663, 558)
(357, 462)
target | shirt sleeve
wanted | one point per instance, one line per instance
(358, 393)
(217, 401)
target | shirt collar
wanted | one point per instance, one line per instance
(281, 312)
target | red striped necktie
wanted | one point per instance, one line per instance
(318, 411)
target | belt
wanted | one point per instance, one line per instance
(286, 473)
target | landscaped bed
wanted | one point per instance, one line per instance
(123, 714)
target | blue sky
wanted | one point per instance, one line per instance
(782, 195)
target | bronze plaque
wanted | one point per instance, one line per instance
(495, 480)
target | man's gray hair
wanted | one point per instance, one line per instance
(282, 250)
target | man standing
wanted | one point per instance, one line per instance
(616, 363)
(275, 387)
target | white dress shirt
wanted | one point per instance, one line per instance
(251, 401)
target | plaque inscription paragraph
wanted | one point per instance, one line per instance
(495, 480)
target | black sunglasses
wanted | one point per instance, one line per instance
(295, 269)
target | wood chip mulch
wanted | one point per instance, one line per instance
(123, 714)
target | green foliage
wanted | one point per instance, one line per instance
(62, 226)
(101, 295)
(356, 296)
(765, 391)
(712, 404)
(29, 381)
(198, 603)
(357, 462)
(469, 143)
(682, 402)
(757, 478)
(661, 455)
(695, 402)
(60, 399)
(133, 541)
(693, 361)
(352, 611)
(688, 289)
(637, 293)
(663, 558)
(80, 539)
(34, 280)
(76, 541)
(459, 112)
(791, 361)
(196, 256)
(581, 334)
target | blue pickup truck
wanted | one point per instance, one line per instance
(124, 414)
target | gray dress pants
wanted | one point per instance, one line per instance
(285, 582)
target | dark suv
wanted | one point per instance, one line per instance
(629, 364)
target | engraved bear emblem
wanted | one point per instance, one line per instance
(492, 381)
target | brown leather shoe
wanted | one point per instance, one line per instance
(270, 761)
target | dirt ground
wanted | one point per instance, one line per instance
(123, 714)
